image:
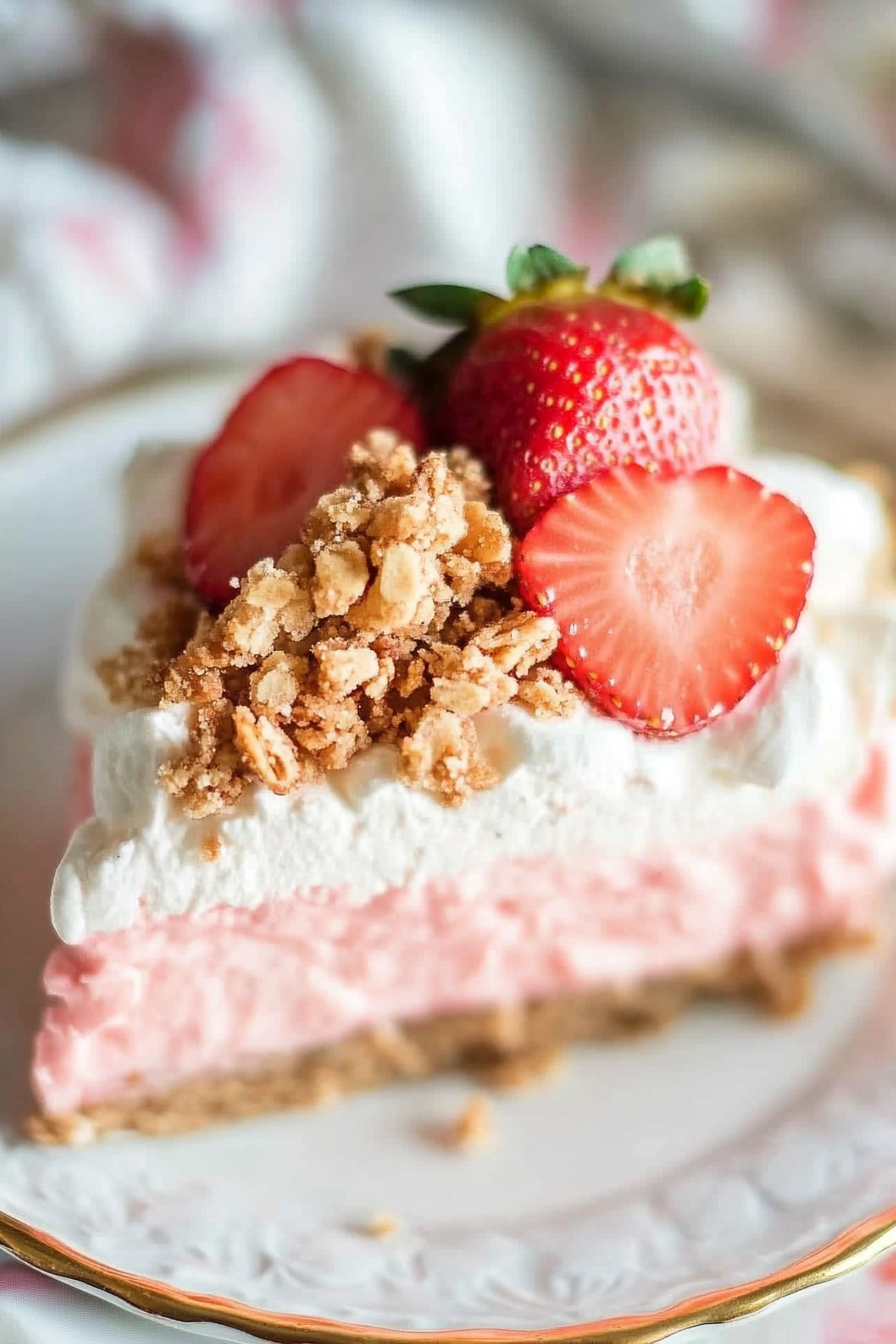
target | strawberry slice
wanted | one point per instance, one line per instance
(674, 595)
(283, 445)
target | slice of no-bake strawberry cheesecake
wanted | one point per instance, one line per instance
(396, 757)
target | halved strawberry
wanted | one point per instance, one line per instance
(674, 595)
(283, 445)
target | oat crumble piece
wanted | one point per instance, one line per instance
(486, 540)
(207, 779)
(382, 460)
(135, 674)
(473, 1128)
(343, 670)
(267, 751)
(274, 688)
(393, 618)
(341, 574)
(382, 1225)
(470, 471)
(162, 555)
(547, 694)
(369, 349)
(442, 757)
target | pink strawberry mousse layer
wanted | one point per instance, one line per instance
(143, 1007)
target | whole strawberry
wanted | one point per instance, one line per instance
(562, 380)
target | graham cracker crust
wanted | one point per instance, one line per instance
(503, 1047)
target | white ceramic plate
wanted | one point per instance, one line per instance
(689, 1177)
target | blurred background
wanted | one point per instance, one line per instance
(188, 181)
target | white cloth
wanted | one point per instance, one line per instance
(289, 182)
(279, 164)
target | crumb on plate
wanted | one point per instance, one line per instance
(382, 1225)
(473, 1128)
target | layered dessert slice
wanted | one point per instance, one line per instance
(395, 758)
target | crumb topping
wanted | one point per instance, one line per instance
(162, 554)
(393, 618)
(473, 1128)
(381, 1225)
(211, 848)
(369, 349)
(135, 674)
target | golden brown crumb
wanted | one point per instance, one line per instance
(134, 675)
(469, 470)
(467, 680)
(267, 751)
(547, 694)
(473, 1128)
(207, 779)
(486, 540)
(369, 349)
(274, 688)
(162, 555)
(343, 670)
(518, 641)
(341, 574)
(393, 618)
(442, 756)
(211, 848)
(382, 1225)
(271, 603)
(382, 460)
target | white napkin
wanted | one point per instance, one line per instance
(294, 182)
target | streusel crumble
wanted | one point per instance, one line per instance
(394, 618)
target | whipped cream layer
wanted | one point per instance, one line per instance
(139, 1009)
(567, 787)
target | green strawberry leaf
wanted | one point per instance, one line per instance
(659, 272)
(529, 267)
(456, 304)
(426, 377)
(690, 298)
(657, 263)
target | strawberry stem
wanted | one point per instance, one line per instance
(658, 274)
(654, 274)
(530, 268)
